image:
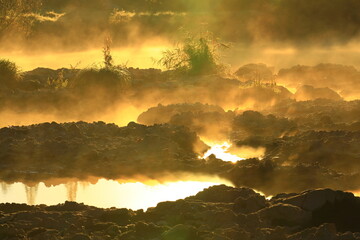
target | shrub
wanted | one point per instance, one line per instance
(9, 74)
(114, 79)
(58, 82)
(196, 56)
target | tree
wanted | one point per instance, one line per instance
(16, 14)
(9, 74)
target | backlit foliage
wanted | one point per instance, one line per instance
(195, 56)
(16, 14)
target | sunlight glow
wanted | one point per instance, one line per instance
(355, 192)
(263, 194)
(222, 151)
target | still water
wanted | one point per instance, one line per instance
(107, 193)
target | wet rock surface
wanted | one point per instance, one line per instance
(81, 149)
(214, 213)
(337, 150)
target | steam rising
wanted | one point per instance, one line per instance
(277, 32)
(221, 151)
(286, 106)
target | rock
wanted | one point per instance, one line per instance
(223, 193)
(235, 233)
(147, 230)
(341, 78)
(255, 72)
(217, 219)
(30, 85)
(80, 236)
(250, 204)
(68, 206)
(326, 231)
(181, 232)
(308, 92)
(252, 124)
(113, 230)
(284, 215)
(82, 149)
(273, 234)
(307, 234)
(314, 199)
(345, 214)
(118, 216)
(346, 236)
(163, 114)
(35, 232)
(189, 219)
(43, 234)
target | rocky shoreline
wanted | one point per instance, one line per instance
(310, 160)
(219, 212)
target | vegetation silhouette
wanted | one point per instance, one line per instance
(109, 77)
(294, 130)
(108, 59)
(9, 74)
(17, 14)
(197, 55)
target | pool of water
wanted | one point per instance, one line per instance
(106, 193)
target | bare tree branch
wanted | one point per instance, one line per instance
(14, 14)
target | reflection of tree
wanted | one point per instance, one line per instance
(71, 189)
(15, 14)
(31, 192)
(4, 187)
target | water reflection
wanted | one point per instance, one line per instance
(139, 56)
(106, 193)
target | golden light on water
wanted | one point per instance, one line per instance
(139, 56)
(121, 114)
(108, 193)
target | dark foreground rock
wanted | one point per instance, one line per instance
(218, 213)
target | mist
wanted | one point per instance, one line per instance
(256, 100)
(275, 33)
